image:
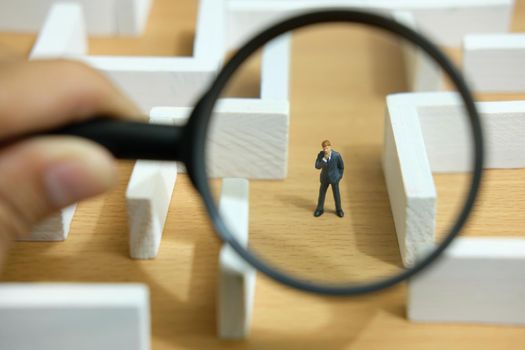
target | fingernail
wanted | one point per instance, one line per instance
(73, 181)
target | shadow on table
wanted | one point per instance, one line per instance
(369, 206)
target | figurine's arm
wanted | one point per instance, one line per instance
(319, 163)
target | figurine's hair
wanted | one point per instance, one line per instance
(325, 143)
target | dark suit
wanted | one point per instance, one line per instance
(331, 173)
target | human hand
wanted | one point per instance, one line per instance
(43, 174)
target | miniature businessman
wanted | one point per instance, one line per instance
(331, 164)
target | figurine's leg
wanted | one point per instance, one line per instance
(322, 195)
(337, 198)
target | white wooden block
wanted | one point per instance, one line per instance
(244, 137)
(275, 69)
(103, 17)
(446, 21)
(63, 33)
(171, 81)
(54, 228)
(430, 130)
(246, 18)
(422, 73)
(156, 81)
(409, 181)
(446, 132)
(236, 277)
(477, 280)
(132, 16)
(495, 62)
(244, 118)
(29, 15)
(210, 32)
(148, 197)
(74, 316)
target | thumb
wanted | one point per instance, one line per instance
(41, 175)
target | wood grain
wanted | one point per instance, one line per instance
(183, 278)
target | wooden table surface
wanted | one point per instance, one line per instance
(183, 278)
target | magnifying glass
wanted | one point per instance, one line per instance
(380, 193)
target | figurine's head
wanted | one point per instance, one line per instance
(327, 146)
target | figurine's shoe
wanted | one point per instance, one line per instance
(318, 212)
(340, 213)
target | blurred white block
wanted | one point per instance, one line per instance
(171, 81)
(149, 81)
(236, 277)
(148, 198)
(63, 33)
(103, 17)
(54, 228)
(428, 132)
(275, 69)
(477, 280)
(74, 316)
(209, 43)
(248, 137)
(422, 73)
(156, 81)
(446, 21)
(495, 62)
(132, 16)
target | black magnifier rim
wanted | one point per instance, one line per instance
(200, 118)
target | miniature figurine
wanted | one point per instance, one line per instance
(332, 167)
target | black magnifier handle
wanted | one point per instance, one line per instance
(129, 139)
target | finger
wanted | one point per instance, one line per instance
(44, 174)
(41, 95)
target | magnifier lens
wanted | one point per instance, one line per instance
(353, 176)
